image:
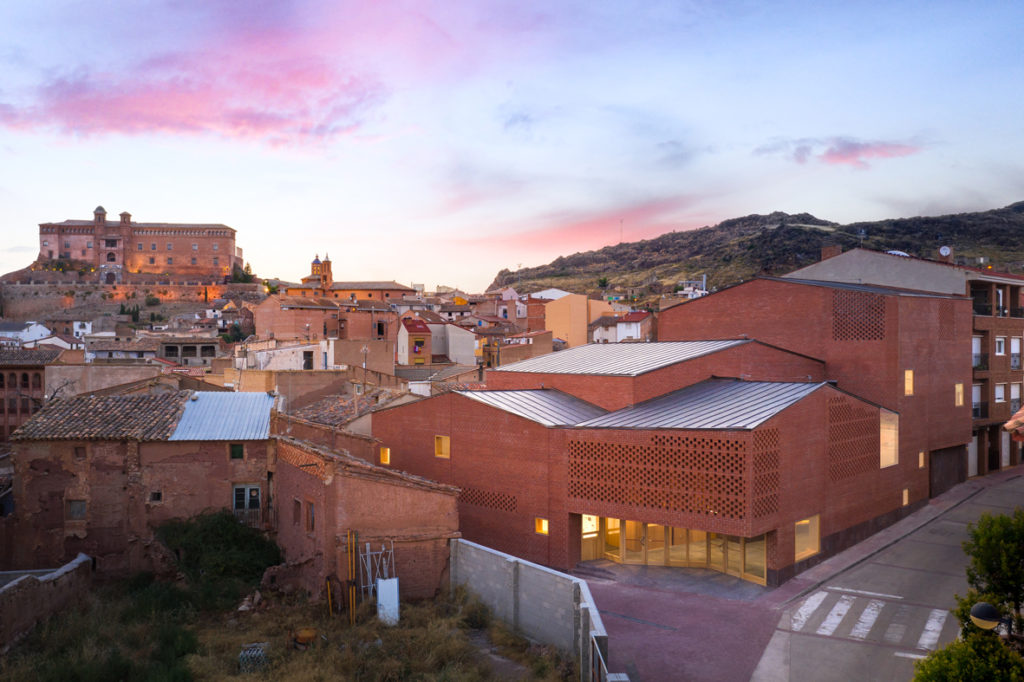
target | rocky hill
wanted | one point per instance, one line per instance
(774, 244)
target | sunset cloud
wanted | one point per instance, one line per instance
(838, 150)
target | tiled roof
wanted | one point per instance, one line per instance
(110, 344)
(418, 326)
(336, 410)
(635, 316)
(390, 286)
(27, 356)
(115, 223)
(121, 417)
(306, 302)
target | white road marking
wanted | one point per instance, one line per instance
(867, 619)
(932, 629)
(903, 654)
(864, 592)
(799, 619)
(898, 627)
(836, 615)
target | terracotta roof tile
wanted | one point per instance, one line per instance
(27, 356)
(117, 417)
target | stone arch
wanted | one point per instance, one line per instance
(111, 257)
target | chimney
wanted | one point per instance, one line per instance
(830, 251)
(945, 254)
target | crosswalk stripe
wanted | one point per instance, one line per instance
(898, 627)
(799, 619)
(932, 629)
(867, 619)
(836, 615)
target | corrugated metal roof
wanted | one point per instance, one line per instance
(619, 359)
(545, 406)
(712, 404)
(225, 416)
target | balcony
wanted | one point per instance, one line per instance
(979, 411)
(984, 309)
(1016, 312)
(254, 518)
(979, 361)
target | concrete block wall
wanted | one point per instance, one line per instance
(32, 598)
(539, 603)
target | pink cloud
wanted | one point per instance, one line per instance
(854, 153)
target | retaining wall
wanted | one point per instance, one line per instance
(36, 595)
(538, 602)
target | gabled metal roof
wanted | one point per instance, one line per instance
(712, 404)
(544, 406)
(225, 416)
(619, 359)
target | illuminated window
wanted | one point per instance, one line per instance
(385, 455)
(889, 439)
(906, 496)
(442, 446)
(958, 395)
(908, 382)
(920, 460)
(540, 526)
(591, 526)
(807, 538)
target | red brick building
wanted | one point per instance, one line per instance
(22, 385)
(320, 282)
(641, 453)
(115, 248)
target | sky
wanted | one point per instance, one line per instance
(439, 142)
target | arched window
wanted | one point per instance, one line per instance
(24, 379)
(111, 257)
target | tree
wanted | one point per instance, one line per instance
(978, 657)
(995, 547)
(602, 282)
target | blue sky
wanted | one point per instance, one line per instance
(439, 142)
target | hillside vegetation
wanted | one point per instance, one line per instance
(774, 244)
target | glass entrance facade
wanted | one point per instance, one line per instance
(635, 542)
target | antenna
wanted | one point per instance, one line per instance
(620, 230)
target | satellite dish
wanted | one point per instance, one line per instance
(944, 251)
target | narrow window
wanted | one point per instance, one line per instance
(920, 460)
(237, 450)
(906, 496)
(889, 450)
(152, 260)
(296, 512)
(385, 455)
(170, 260)
(442, 446)
(908, 382)
(74, 510)
(152, 246)
(958, 394)
(140, 246)
(194, 261)
(170, 246)
(195, 247)
(540, 526)
(156, 496)
(1000, 345)
(310, 517)
(807, 538)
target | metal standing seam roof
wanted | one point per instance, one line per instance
(711, 404)
(545, 406)
(225, 416)
(619, 359)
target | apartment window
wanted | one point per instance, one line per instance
(1000, 345)
(1000, 393)
(237, 450)
(908, 382)
(906, 496)
(156, 496)
(170, 260)
(310, 517)
(889, 439)
(958, 394)
(74, 510)
(152, 260)
(296, 512)
(110, 243)
(807, 538)
(540, 526)
(442, 446)
(385, 455)
(920, 460)
(195, 247)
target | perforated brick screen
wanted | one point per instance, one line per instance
(853, 439)
(857, 316)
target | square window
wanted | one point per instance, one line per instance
(442, 446)
(385, 455)
(74, 510)
(80, 452)
(889, 439)
(237, 450)
(540, 526)
(908, 382)
(958, 395)
(807, 538)
(170, 246)
(156, 496)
